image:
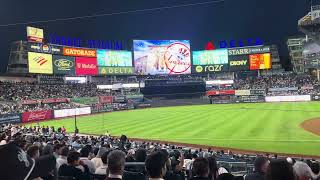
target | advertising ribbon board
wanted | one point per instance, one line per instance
(34, 116)
(40, 63)
(85, 100)
(116, 70)
(220, 92)
(64, 65)
(105, 99)
(10, 118)
(44, 48)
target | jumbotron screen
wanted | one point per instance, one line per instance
(260, 61)
(212, 57)
(162, 57)
(114, 58)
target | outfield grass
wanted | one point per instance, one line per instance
(271, 127)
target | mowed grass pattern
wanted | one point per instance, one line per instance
(271, 127)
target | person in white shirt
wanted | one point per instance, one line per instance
(62, 159)
(85, 152)
(97, 160)
(102, 170)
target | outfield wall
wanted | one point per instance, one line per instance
(35, 116)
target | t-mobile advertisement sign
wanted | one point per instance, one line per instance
(86, 66)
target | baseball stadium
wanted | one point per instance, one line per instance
(160, 108)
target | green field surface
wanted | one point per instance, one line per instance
(270, 127)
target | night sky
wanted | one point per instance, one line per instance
(271, 20)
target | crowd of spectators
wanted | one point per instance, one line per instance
(26, 91)
(48, 153)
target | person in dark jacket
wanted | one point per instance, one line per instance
(260, 168)
(200, 169)
(72, 168)
(156, 165)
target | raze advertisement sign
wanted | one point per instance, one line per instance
(86, 66)
(64, 65)
(79, 52)
(162, 57)
(44, 48)
(40, 63)
(10, 118)
(210, 68)
(248, 50)
(260, 61)
(239, 63)
(36, 116)
(116, 70)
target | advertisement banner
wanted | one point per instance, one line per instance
(312, 62)
(212, 57)
(40, 63)
(239, 63)
(248, 50)
(26, 102)
(249, 99)
(260, 61)
(105, 99)
(119, 99)
(114, 58)
(71, 112)
(86, 66)
(10, 118)
(54, 100)
(139, 96)
(242, 92)
(220, 92)
(64, 65)
(162, 57)
(102, 108)
(288, 98)
(315, 97)
(284, 89)
(257, 92)
(68, 51)
(210, 68)
(34, 116)
(44, 48)
(34, 34)
(116, 70)
(85, 100)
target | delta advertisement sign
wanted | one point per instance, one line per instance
(238, 43)
(86, 66)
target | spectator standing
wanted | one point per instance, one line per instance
(102, 170)
(84, 153)
(156, 165)
(302, 170)
(71, 169)
(280, 170)
(200, 169)
(260, 168)
(62, 159)
(116, 161)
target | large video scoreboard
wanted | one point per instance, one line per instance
(235, 59)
